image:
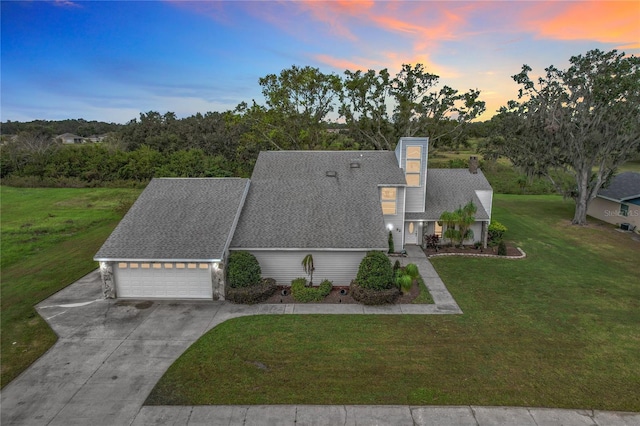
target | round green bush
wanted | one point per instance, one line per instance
(496, 231)
(375, 272)
(243, 270)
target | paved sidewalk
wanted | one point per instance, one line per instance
(110, 354)
(392, 415)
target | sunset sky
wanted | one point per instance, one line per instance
(111, 60)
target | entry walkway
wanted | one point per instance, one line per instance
(110, 354)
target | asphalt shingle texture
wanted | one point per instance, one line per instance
(622, 187)
(177, 219)
(292, 203)
(449, 189)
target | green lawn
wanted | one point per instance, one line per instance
(49, 237)
(558, 329)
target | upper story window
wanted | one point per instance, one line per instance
(414, 152)
(388, 197)
(413, 165)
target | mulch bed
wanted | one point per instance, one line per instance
(336, 297)
(511, 250)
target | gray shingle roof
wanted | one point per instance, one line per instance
(178, 219)
(292, 203)
(624, 186)
(449, 189)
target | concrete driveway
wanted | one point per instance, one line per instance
(109, 356)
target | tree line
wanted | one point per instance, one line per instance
(574, 127)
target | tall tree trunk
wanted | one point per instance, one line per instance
(580, 215)
(582, 198)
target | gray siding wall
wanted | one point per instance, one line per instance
(415, 199)
(340, 267)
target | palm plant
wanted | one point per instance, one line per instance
(459, 222)
(307, 266)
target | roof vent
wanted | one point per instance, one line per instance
(331, 173)
(354, 165)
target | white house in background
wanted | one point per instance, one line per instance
(335, 205)
(619, 203)
(70, 138)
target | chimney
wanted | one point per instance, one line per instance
(473, 165)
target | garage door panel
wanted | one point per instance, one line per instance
(162, 283)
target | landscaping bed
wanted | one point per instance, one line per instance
(512, 250)
(336, 297)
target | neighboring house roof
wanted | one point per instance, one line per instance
(178, 219)
(69, 136)
(625, 186)
(449, 189)
(293, 204)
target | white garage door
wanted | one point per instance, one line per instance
(163, 280)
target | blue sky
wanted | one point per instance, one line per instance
(111, 60)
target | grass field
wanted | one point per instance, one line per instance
(49, 237)
(503, 177)
(558, 329)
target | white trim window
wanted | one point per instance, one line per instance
(388, 197)
(413, 165)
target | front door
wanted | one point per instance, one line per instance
(411, 233)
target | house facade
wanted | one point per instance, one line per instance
(334, 205)
(70, 139)
(619, 203)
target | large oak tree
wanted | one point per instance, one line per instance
(380, 109)
(582, 122)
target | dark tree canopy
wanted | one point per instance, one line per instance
(380, 109)
(581, 122)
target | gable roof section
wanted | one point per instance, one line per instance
(449, 189)
(625, 186)
(178, 219)
(293, 204)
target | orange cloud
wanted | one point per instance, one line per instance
(608, 22)
(336, 14)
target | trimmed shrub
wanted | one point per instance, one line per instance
(375, 271)
(412, 270)
(502, 248)
(396, 266)
(368, 296)
(243, 270)
(403, 281)
(496, 231)
(304, 294)
(252, 294)
(391, 246)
